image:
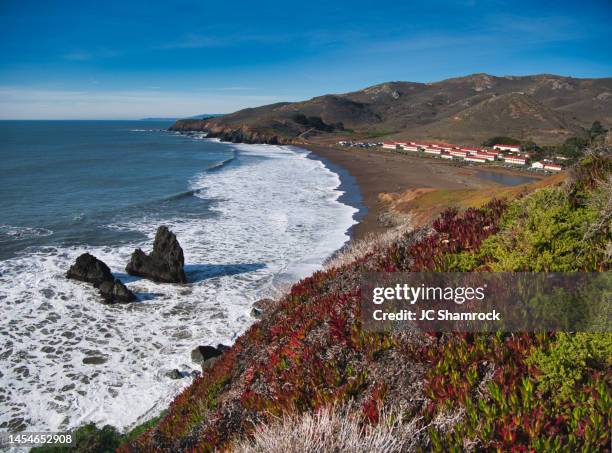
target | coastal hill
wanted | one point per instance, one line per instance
(544, 108)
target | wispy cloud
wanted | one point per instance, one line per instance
(311, 37)
(29, 103)
(495, 34)
(549, 28)
(77, 56)
(201, 41)
(423, 42)
(87, 55)
(235, 88)
(195, 42)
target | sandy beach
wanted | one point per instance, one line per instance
(379, 172)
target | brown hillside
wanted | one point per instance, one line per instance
(515, 115)
(547, 108)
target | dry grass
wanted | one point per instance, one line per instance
(371, 243)
(333, 430)
(426, 204)
(602, 203)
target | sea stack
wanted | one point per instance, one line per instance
(165, 264)
(90, 269)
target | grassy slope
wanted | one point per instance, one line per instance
(424, 205)
(91, 439)
(526, 392)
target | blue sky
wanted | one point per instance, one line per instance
(127, 59)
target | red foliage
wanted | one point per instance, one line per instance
(303, 358)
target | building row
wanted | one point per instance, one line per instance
(509, 154)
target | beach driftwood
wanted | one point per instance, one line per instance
(165, 264)
(90, 269)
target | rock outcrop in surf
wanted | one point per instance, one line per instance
(206, 356)
(90, 269)
(165, 264)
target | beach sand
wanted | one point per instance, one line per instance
(379, 172)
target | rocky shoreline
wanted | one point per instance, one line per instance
(165, 264)
(242, 134)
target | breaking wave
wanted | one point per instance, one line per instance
(66, 359)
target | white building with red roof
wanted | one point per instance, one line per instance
(458, 153)
(479, 160)
(553, 167)
(515, 160)
(488, 157)
(410, 147)
(471, 151)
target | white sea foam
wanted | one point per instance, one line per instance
(277, 218)
(16, 232)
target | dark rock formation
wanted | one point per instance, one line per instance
(203, 353)
(115, 291)
(206, 356)
(232, 134)
(242, 135)
(222, 347)
(90, 269)
(164, 264)
(174, 374)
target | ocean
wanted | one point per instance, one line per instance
(251, 219)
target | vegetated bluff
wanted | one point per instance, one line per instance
(446, 392)
(544, 108)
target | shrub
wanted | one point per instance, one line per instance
(568, 360)
(594, 169)
(544, 233)
(500, 139)
(316, 122)
(91, 439)
(88, 439)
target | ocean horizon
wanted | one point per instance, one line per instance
(251, 219)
